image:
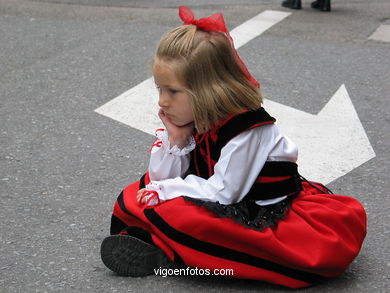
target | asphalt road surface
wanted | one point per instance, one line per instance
(63, 165)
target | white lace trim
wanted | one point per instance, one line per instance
(153, 201)
(163, 136)
(153, 187)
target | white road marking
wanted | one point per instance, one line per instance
(138, 107)
(331, 143)
(255, 26)
(381, 34)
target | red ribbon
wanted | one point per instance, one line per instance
(214, 22)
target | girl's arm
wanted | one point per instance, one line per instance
(168, 162)
(239, 165)
(170, 156)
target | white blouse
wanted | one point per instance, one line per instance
(240, 162)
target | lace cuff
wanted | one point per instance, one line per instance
(153, 197)
(162, 135)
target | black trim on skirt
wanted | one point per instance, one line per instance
(227, 253)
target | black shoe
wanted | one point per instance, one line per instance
(322, 5)
(130, 256)
(293, 4)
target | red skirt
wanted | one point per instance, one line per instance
(318, 239)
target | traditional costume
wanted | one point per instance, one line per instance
(233, 199)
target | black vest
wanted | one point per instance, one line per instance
(275, 179)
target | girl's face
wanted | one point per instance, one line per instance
(174, 99)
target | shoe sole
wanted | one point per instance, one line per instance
(129, 256)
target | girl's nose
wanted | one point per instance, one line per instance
(162, 101)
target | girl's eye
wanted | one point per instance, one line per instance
(171, 91)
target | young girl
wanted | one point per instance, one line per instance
(223, 190)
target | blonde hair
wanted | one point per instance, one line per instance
(205, 63)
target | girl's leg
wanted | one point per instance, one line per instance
(132, 250)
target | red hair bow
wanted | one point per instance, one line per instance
(214, 22)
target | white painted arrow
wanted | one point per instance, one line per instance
(331, 143)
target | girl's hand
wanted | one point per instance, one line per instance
(141, 196)
(146, 196)
(178, 135)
